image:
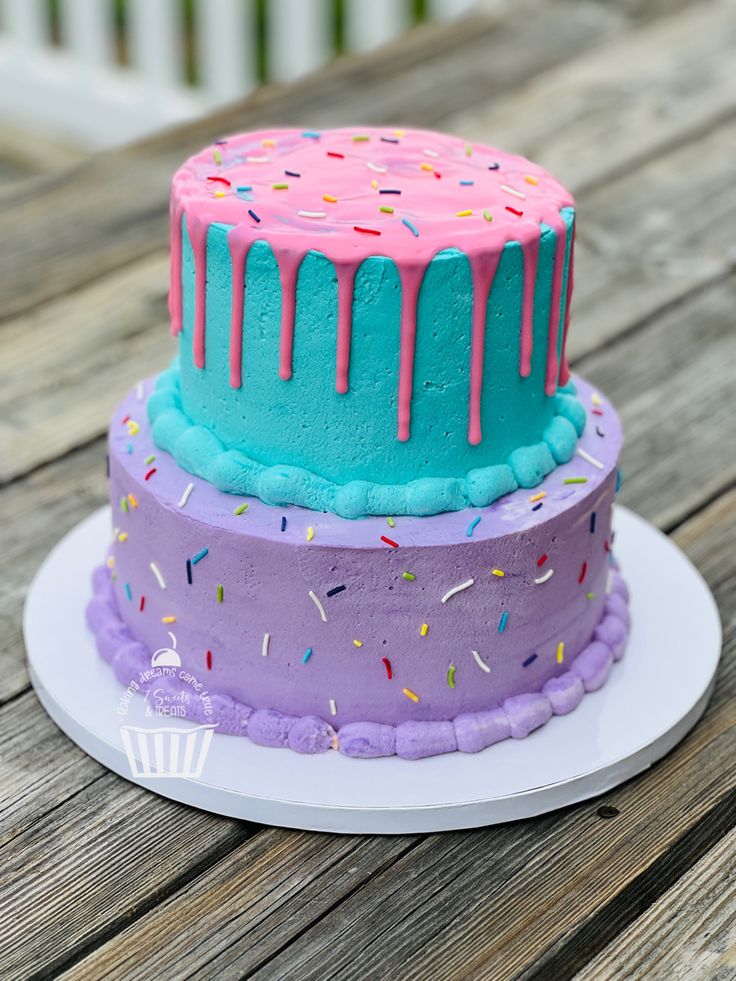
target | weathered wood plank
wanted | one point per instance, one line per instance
(111, 210)
(630, 262)
(466, 904)
(690, 932)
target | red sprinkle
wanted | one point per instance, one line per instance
(367, 231)
(208, 658)
(583, 570)
(542, 559)
(142, 603)
(387, 665)
(126, 419)
(597, 412)
(514, 211)
(437, 174)
(607, 546)
(331, 153)
(389, 541)
(222, 180)
(150, 473)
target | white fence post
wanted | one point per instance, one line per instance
(226, 46)
(156, 34)
(370, 23)
(298, 38)
(26, 21)
(87, 30)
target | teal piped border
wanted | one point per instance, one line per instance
(198, 451)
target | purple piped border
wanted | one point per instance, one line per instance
(467, 733)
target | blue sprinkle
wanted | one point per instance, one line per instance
(307, 655)
(389, 190)
(199, 556)
(529, 660)
(128, 592)
(283, 523)
(618, 479)
(244, 187)
(502, 622)
(412, 228)
(467, 183)
(389, 139)
(254, 216)
(471, 526)
(537, 506)
(292, 173)
(220, 142)
(494, 166)
(130, 447)
(311, 134)
(335, 590)
(189, 571)
(592, 523)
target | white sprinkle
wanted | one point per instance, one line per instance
(315, 600)
(456, 589)
(609, 583)
(481, 664)
(379, 168)
(430, 153)
(185, 496)
(139, 391)
(256, 160)
(589, 459)
(333, 707)
(512, 190)
(264, 648)
(157, 573)
(548, 575)
(312, 214)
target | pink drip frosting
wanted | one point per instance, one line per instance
(438, 176)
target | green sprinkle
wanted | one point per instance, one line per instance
(124, 503)
(487, 215)
(468, 150)
(590, 596)
(390, 522)
(150, 459)
(217, 156)
(361, 139)
(241, 508)
(386, 210)
(220, 593)
(280, 187)
(451, 676)
(575, 480)
(409, 576)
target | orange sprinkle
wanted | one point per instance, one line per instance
(330, 198)
(531, 180)
(426, 166)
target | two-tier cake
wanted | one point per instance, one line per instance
(367, 501)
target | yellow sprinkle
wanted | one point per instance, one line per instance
(133, 427)
(463, 214)
(268, 142)
(410, 694)
(168, 619)
(330, 198)
(111, 562)
(561, 652)
(219, 194)
(468, 150)
(499, 573)
(538, 497)
(361, 139)
(310, 533)
(425, 628)
(390, 522)
(531, 180)
(386, 210)
(358, 643)
(133, 501)
(217, 156)
(374, 183)
(596, 399)
(123, 536)
(399, 132)
(426, 166)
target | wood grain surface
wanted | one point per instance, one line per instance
(633, 105)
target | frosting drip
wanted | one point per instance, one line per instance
(352, 194)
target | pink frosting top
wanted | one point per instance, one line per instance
(355, 193)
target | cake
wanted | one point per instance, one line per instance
(367, 501)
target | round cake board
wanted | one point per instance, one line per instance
(652, 699)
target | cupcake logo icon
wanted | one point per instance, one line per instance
(170, 693)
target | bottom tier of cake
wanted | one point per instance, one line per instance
(412, 636)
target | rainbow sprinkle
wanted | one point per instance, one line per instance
(456, 589)
(199, 556)
(241, 508)
(128, 591)
(310, 533)
(423, 630)
(264, 645)
(529, 660)
(358, 643)
(575, 480)
(481, 663)
(409, 576)
(220, 593)
(316, 600)
(498, 572)
(411, 226)
(335, 590)
(561, 652)
(307, 655)
(503, 621)
(254, 216)
(410, 694)
(451, 676)
(185, 496)
(472, 526)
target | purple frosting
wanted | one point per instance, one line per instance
(565, 692)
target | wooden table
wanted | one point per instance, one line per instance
(633, 105)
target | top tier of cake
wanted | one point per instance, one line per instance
(371, 321)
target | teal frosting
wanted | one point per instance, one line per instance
(200, 452)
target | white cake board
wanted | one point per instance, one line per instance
(652, 699)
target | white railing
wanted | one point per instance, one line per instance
(100, 73)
